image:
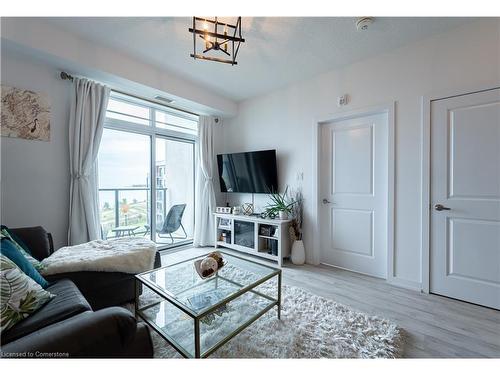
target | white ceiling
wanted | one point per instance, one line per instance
(277, 51)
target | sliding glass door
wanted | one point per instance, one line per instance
(146, 172)
(174, 190)
(124, 185)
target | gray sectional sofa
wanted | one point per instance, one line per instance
(83, 320)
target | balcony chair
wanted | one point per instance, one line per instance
(172, 222)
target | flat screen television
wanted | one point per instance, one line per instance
(248, 172)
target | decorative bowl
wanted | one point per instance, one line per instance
(197, 267)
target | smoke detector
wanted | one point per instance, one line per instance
(363, 23)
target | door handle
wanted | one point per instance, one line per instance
(326, 201)
(440, 207)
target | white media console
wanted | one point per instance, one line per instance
(265, 238)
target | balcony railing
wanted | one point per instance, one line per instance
(122, 212)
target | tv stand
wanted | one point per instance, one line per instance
(265, 238)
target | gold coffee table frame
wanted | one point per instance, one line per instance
(197, 316)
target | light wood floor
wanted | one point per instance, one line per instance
(434, 326)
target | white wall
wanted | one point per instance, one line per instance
(35, 174)
(463, 58)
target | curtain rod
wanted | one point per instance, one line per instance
(69, 77)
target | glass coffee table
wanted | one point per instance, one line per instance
(197, 316)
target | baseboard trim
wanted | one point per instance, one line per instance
(347, 269)
(403, 283)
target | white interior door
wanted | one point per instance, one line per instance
(354, 194)
(465, 182)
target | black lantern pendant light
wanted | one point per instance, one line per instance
(220, 37)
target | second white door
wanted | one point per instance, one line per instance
(354, 193)
(465, 198)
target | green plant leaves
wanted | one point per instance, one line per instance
(279, 202)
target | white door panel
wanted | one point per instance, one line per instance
(470, 243)
(473, 132)
(353, 160)
(352, 231)
(353, 167)
(465, 177)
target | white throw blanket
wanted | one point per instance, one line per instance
(128, 255)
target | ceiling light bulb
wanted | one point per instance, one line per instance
(225, 34)
(206, 37)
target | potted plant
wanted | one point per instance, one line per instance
(280, 205)
(298, 255)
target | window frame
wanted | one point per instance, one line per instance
(155, 133)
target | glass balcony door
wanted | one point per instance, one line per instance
(124, 184)
(174, 189)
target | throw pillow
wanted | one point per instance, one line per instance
(11, 251)
(20, 295)
(4, 233)
(16, 238)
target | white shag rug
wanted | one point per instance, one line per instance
(310, 327)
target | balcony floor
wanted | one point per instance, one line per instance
(164, 240)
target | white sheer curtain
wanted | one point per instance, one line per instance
(88, 110)
(205, 195)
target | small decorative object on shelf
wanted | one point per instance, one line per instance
(267, 230)
(247, 208)
(298, 255)
(272, 247)
(225, 223)
(237, 210)
(223, 210)
(208, 266)
(280, 205)
(225, 237)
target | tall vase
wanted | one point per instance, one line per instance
(298, 253)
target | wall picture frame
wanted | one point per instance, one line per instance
(25, 114)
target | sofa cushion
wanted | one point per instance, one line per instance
(11, 251)
(67, 303)
(7, 232)
(21, 246)
(20, 296)
(107, 333)
(36, 239)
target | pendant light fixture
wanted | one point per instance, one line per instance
(216, 37)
